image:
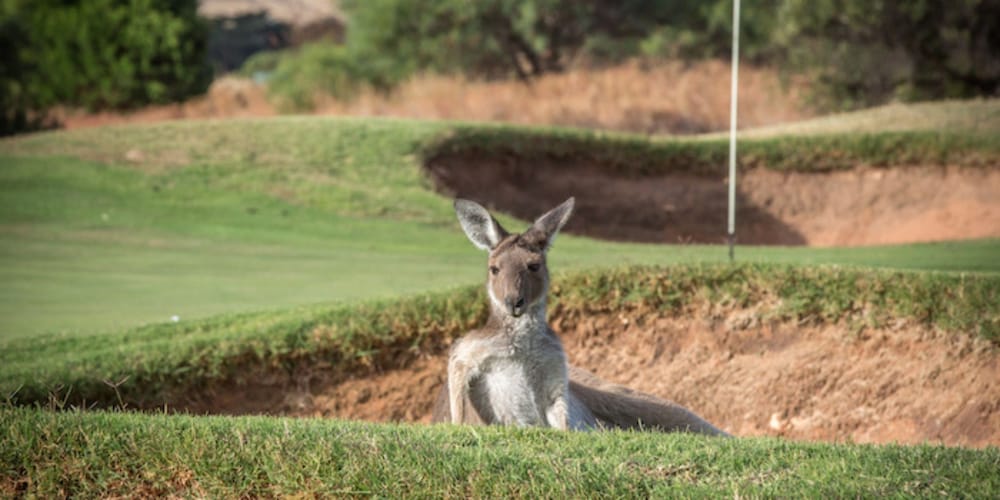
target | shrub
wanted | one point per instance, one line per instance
(866, 52)
(496, 38)
(697, 30)
(100, 54)
(296, 77)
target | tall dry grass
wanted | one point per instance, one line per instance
(668, 97)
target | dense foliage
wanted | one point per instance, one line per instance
(858, 52)
(98, 54)
(495, 38)
(864, 52)
(123, 53)
(323, 68)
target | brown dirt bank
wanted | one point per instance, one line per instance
(902, 383)
(863, 206)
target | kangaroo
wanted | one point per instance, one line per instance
(514, 371)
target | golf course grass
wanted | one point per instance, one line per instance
(257, 234)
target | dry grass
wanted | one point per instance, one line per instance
(670, 97)
(228, 97)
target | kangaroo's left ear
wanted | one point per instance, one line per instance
(547, 226)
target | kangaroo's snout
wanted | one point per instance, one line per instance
(516, 305)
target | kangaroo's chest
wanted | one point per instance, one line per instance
(510, 391)
(517, 384)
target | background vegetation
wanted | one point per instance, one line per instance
(856, 53)
(115, 54)
(97, 54)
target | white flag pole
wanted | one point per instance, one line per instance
(732, 128)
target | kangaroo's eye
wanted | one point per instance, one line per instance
(494, 270)
(534, 267)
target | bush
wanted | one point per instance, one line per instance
(16, 97)
(100, 54)
(496, 38)
(866, 52)
(703, 29)
(296, 78)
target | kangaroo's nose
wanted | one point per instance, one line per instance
(516, 305)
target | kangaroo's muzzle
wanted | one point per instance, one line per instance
(515, 305)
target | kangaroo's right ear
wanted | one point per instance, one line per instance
(481, 228)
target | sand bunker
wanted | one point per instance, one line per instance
(903, 383)
(864, 206)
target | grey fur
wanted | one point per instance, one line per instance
(513, 371)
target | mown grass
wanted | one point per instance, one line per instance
(72, 275)
(115, 454)
(960, 133)
(113, 227)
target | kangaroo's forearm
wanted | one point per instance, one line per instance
(457, 390)
(558, 414)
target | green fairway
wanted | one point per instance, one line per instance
(136, 225)
(61, 280)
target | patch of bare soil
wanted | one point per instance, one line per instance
(863, 206)
(902, 383)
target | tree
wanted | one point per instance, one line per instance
(98, 54)
(869, 51)
(495, 38)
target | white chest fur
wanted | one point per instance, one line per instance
(515, 377)
(507, 388)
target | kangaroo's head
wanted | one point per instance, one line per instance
(517, 278)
